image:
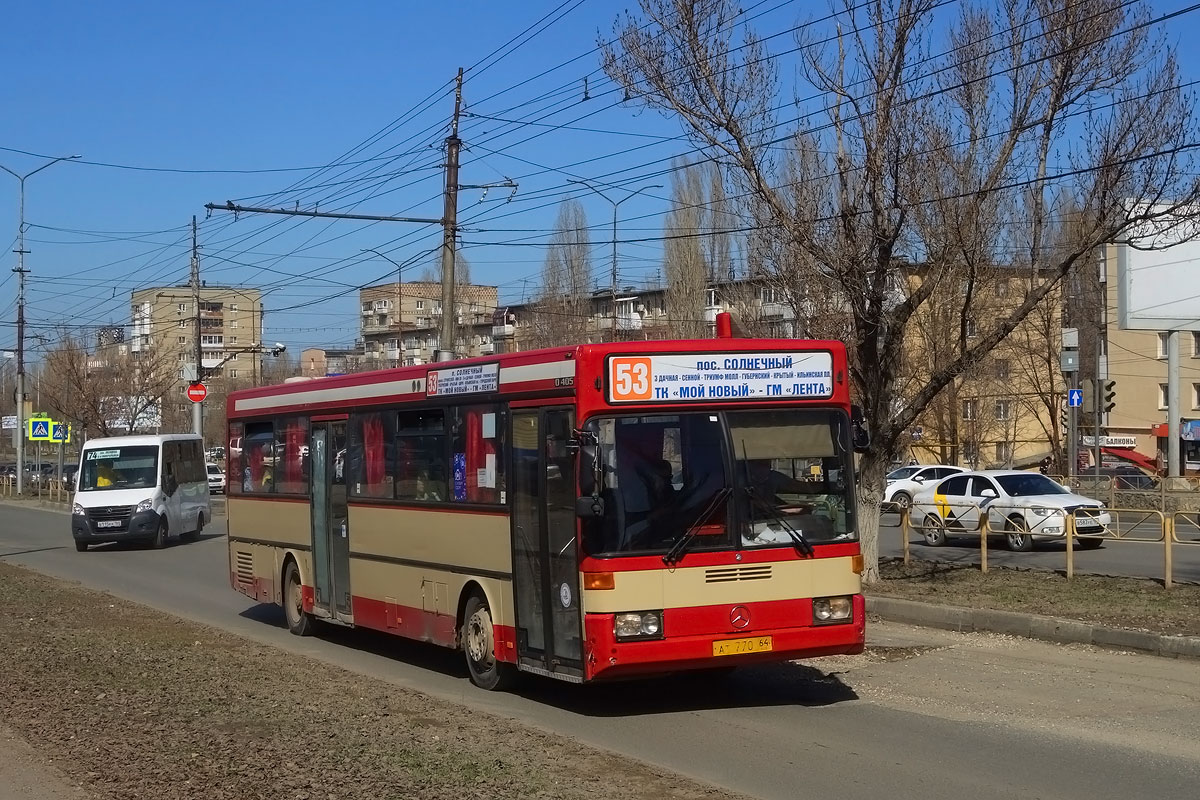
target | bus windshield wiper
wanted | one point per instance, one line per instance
(798, 539)
(673, 555)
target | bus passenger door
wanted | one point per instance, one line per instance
(330, 520)
(545, 549)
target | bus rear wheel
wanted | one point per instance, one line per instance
(298, 622)
(479, 646)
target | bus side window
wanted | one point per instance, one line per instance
(421, 456)
(477, 443)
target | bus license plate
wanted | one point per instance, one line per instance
(109, 523)
(733, 647)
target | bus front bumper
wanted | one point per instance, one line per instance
(605, 657)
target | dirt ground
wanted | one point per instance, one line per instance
(1131, 603)
(131, 703)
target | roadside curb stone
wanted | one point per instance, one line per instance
(1030, 626)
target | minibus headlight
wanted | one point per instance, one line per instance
(828, 610)
(77, 510)
(146, 505)
(638, 625)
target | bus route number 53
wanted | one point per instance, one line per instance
(629, 379)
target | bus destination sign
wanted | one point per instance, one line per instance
(462, 380)
(711, 377)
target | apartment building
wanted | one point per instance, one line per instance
(321, 362)
(163, 336)
(399, 323)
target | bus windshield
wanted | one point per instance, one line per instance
(732, 479)
(123, 467)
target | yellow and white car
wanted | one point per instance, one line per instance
(1021, 507)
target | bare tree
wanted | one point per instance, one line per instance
(685, 261)
(950, 148)
(111, 390)
(561, 315)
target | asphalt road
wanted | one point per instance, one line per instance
(923, 715)
(1121, 557)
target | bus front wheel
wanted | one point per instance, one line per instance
(478, 644)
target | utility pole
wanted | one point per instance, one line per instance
(1173, 410)
(197, 408)
(1097, 410)
(21, 272)
(450, 230)
(1068, 359)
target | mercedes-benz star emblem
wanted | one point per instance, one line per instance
(739, 616)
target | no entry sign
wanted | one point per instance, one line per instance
(196, 392)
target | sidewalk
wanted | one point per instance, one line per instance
(26, 774)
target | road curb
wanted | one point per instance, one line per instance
(36, 505)
(1030, 626)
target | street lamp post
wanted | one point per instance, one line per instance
(615, 204)
(399, 303)
(20, 270)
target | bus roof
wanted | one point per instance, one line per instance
(138, 439)
(530, 373)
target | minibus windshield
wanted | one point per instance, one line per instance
(122, 467)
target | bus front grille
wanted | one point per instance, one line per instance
(753, 572)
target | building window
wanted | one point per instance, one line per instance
(1195, 344)
(1002, 291)
(182, 307)
(420, 304)
(1196, 395)
(1002, 369)
(183, 340)
(181, 406)
(182, 357)
(971, 332)
(233, 373)
(1162, 345)
(1162, 396)
(970, 452)
(233, 306)
(183, 323)
(233, 323)
(970, 409)
(1003, 410)
(1003, 452)
(180, 374)
(233, 340)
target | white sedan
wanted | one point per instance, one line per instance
(1021, 506)
(216, 479)
(903, 484)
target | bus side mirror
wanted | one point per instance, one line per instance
(589, 506)
(860, 436)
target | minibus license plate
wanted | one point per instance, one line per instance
(109, 523)
(733, 647)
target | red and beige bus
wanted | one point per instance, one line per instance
(590, 512)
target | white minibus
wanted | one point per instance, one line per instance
(140, 488)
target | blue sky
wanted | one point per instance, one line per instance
(256, 86)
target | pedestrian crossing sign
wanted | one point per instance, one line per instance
(39, 430)
(60, 432)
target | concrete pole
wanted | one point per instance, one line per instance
(1173, 411)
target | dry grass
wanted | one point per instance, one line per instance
(137, 704)
(1132, 603)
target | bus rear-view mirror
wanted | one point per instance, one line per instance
(860, 436)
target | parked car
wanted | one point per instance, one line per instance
(904, 483)
(216, 479)
(1021, 507)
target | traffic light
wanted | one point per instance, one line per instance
(1110, 395)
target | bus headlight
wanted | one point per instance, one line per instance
(146, 505)
(77, 510)
(829, 610)
(638, 625)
